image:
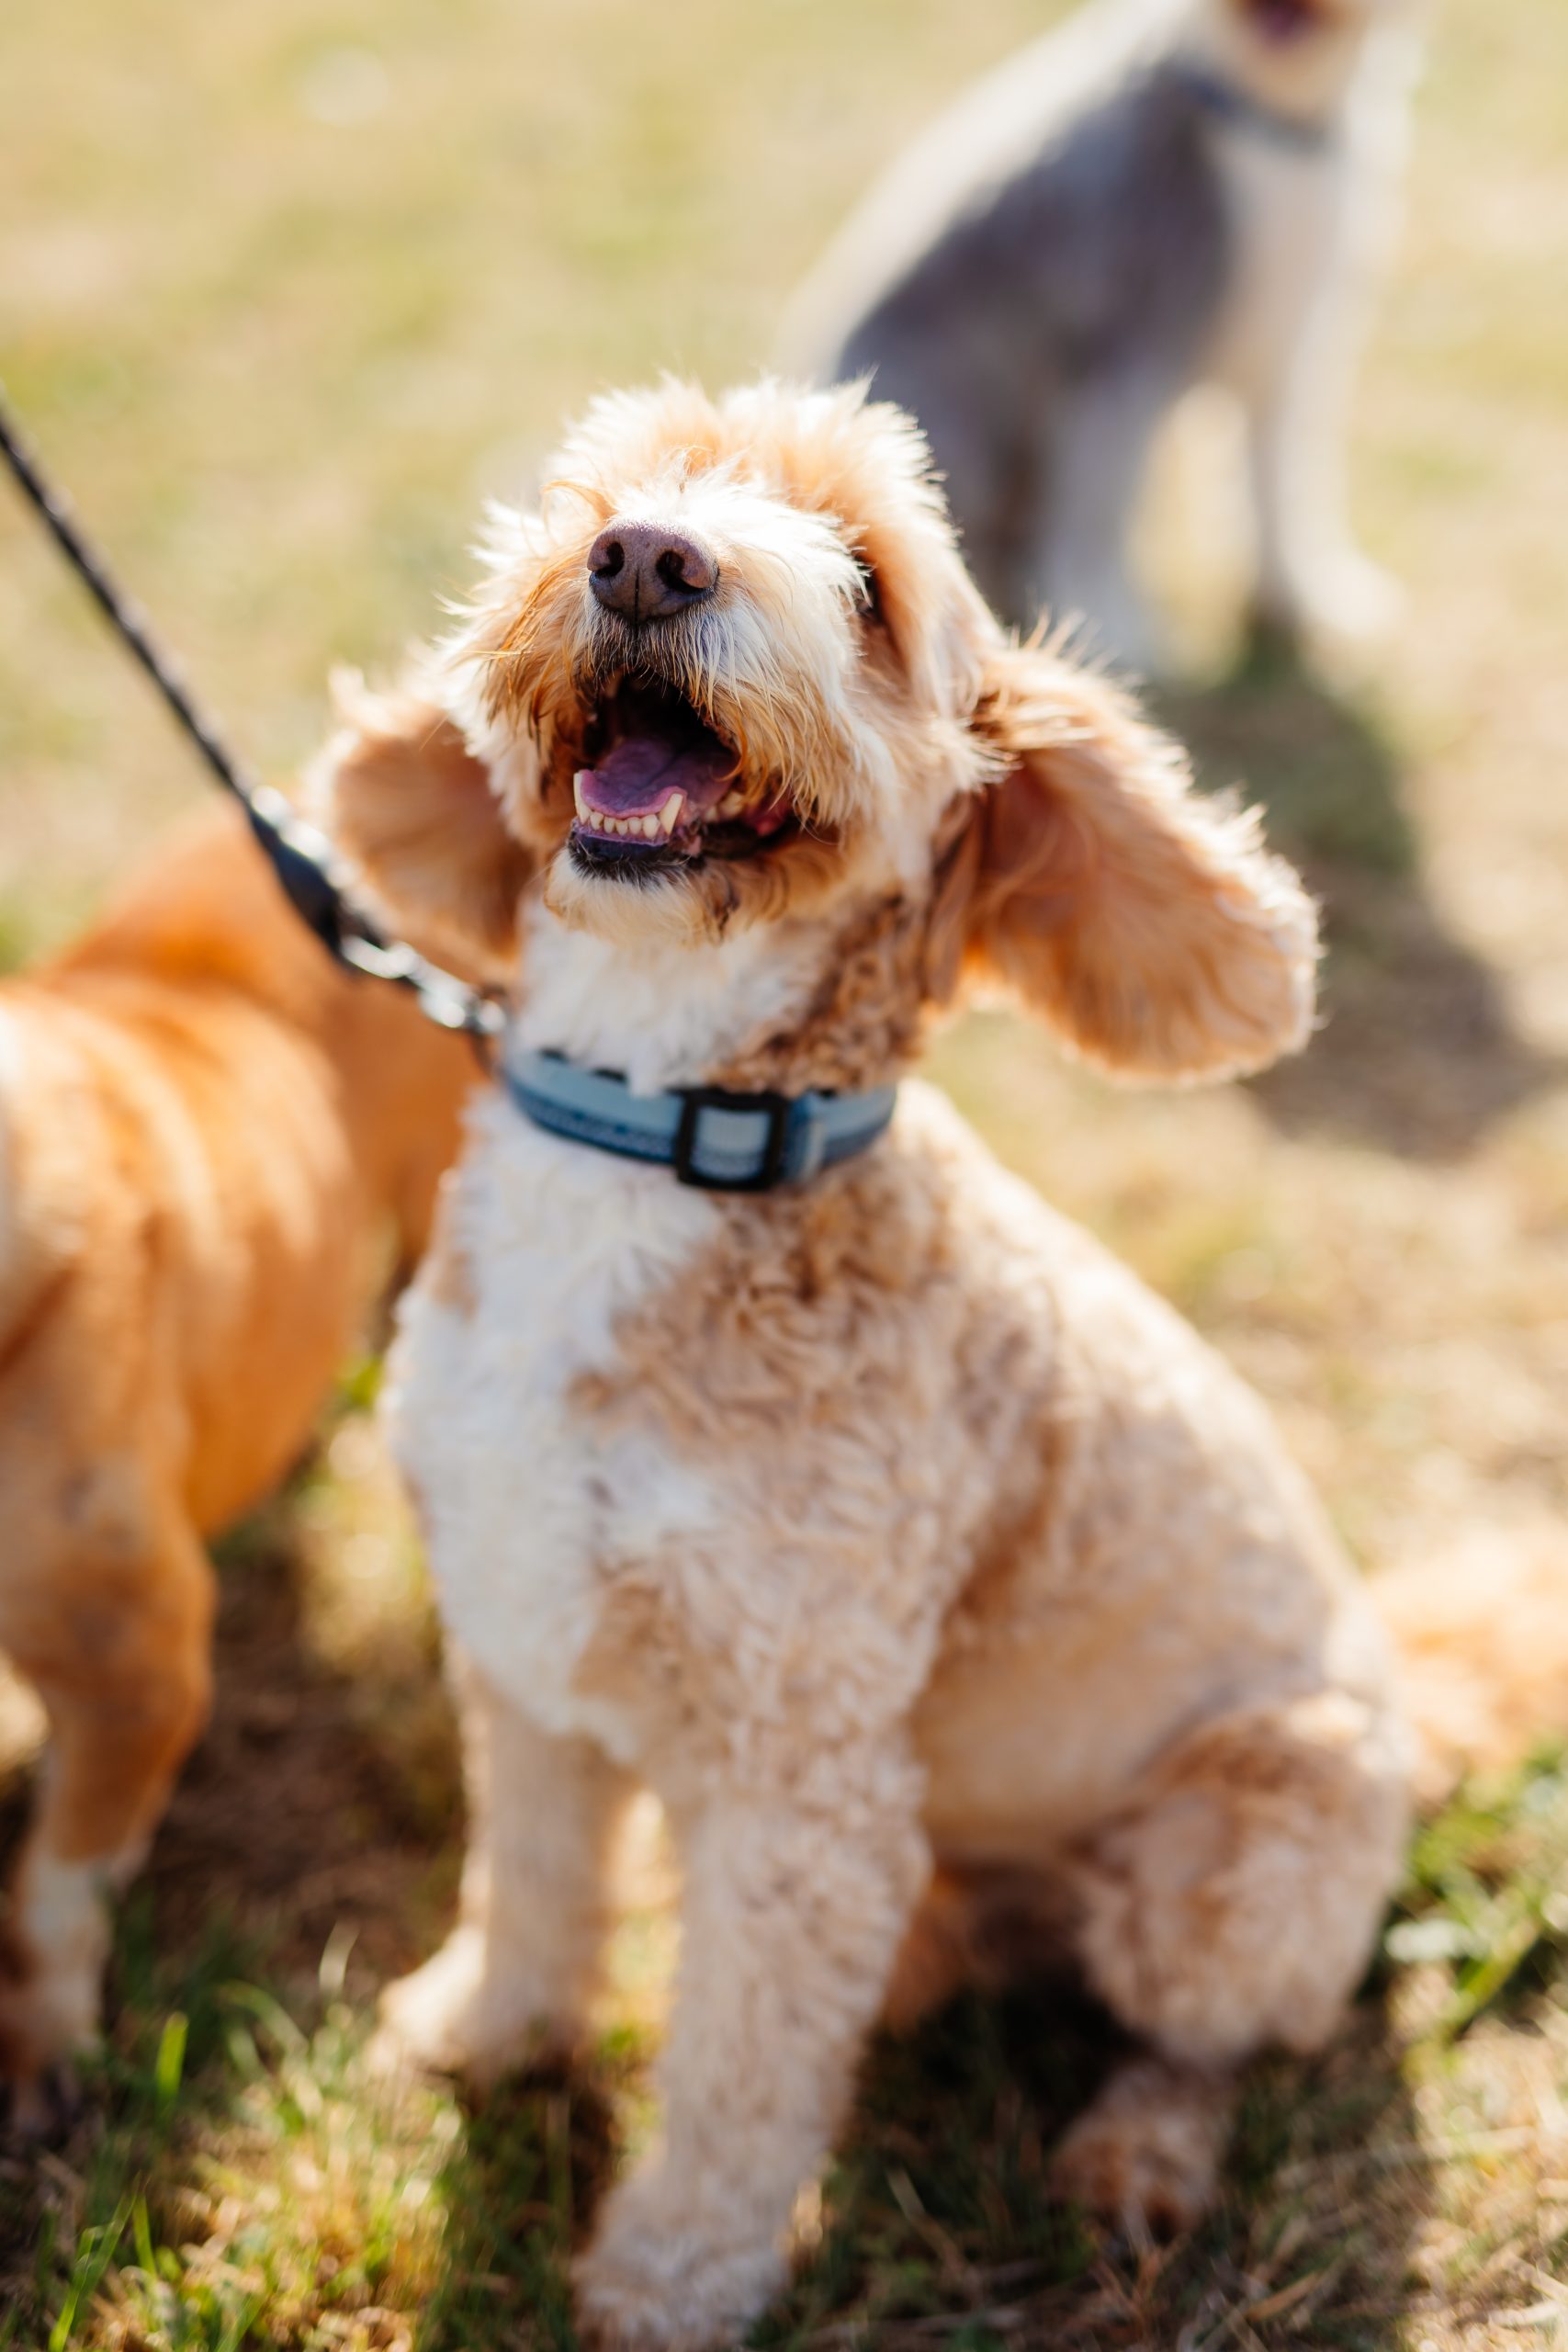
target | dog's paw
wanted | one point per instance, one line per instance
(653, 2281)
(463, 2014)
(1147, 2154)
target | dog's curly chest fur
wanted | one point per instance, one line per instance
(662, 1442)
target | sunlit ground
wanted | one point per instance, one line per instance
(285, 289)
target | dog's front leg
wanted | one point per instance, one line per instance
(514, 1976)
(1312, 577)
(119, 1655)
(795, 1899)
(1085, 568)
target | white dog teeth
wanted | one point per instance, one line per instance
(732, 804)
(658, 825)
(638, 828)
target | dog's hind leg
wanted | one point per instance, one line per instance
(1231, 1906)
(120, 1657)
(514, 1975)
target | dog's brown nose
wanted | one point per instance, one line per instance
(645, 571)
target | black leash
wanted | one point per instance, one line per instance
(305, 861)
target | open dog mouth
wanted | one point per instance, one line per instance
(659, 788)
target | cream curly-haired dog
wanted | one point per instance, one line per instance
(913, 1554)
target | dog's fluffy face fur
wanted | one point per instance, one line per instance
(831, 718)
(788, 733)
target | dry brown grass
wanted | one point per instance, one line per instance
(284, 290)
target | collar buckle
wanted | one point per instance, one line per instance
(773, 1151)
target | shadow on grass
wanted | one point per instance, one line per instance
(936, 2213)
(321, 1802)
(519, 2186)
(1417, 1054)
(937, 2225)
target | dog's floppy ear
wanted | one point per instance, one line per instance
(414, 810)
(1147, 924)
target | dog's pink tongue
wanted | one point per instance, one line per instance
(637, 777)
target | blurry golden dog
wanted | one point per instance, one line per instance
(209, 1135)
(924, 1564)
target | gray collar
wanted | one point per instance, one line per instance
(718, 1141)
(1227, 104)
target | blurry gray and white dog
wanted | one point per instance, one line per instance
(1158, 194)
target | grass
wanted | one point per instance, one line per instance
(283, 290)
